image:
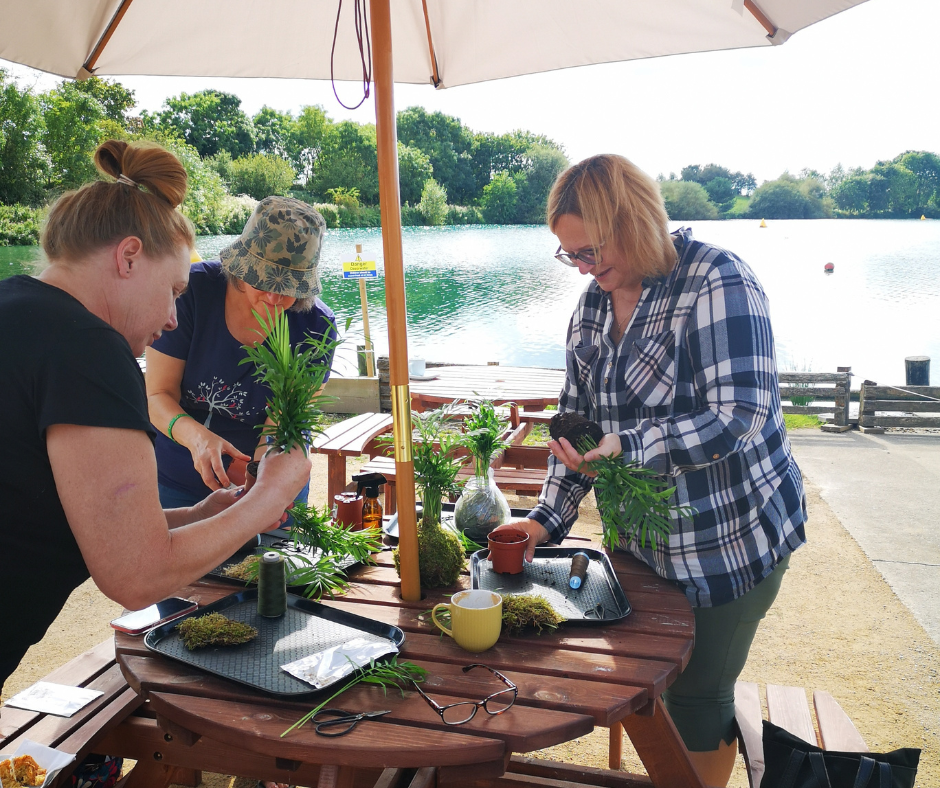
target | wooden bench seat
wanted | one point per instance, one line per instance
(349, 438)
(79, 734)
(787, 708)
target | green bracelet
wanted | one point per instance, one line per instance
(169, 430)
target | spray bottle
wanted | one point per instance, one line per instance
(371, 508)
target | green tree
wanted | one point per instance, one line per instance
(447, 143)
(433, 205)
(414, 171)
(925, 168)
(24, 165)
(851, 194)
(348, 158)
(210, 121)
(499, 199)
(687, 201)
(260, 175)
(272, 131)
(901, 187)
(307, 135)
(542, 165)
(788, 198)
(72, 119)
(721, 192)
(115, 99)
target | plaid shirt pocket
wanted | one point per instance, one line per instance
(651, 369)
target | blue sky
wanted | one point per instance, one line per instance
(855, 88)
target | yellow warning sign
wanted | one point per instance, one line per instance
(359, 269)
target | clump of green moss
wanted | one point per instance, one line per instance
(440, 555)
(246, 570)
(529, 610)
(214, 629)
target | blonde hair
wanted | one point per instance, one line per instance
(621, 207)
(103, 212)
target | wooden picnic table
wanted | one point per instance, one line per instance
(528, 387)
(349, 438)
(570, 681)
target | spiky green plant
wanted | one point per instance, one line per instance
(440, 552)
(631, 499)
(295, 375)
(390, 673)
(482, 431)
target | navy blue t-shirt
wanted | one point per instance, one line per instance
(216, 390)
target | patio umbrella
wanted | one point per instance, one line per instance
(442, 42)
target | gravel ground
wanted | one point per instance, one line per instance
(835, 626)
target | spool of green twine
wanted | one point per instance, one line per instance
(272, 586)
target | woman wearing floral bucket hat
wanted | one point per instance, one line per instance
(205, 404)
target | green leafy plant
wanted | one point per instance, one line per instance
(440, 551)
(214, 629)
(632, 500)
(390, 673)
(482, 431)
(294, 375)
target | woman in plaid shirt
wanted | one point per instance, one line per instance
(670, 350)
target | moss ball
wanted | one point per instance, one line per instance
(440, 556)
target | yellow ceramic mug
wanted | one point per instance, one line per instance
(476, 618)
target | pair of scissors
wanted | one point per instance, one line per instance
(337, 718)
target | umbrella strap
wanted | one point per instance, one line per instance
(361, 23)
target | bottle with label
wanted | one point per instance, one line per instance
(369, 484)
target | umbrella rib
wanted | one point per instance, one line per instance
(435, 76)
(761, 17)
(89, 65)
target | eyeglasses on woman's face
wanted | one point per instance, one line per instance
(459, 713)
(571, 259)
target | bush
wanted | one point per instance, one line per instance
(464, 214)
(19, 225)
(433, 205)
(499, 199)
(687, 201)
(235, 212)
(343, 197)
(328, 211)
(364, 216)
(261, 175)
(411, 216)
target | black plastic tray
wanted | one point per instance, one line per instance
(599, 600)
(306, 628)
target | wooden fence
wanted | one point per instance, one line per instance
(898, 406)
(819, 388)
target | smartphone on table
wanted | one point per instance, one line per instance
(140, 621)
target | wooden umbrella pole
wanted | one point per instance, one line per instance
(390, 206)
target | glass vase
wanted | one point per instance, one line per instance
(481, 507)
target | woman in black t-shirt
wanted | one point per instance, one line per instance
(78, 478)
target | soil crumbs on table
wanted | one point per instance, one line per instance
(835, 626)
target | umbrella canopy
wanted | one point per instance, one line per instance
(442, 42)
(450, 42)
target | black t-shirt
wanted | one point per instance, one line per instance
(60, 365)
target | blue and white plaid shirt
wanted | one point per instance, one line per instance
(692, 390)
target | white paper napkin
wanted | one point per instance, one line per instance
(50, 760)
(50, 698)
(328, 666)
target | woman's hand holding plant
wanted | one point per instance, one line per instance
(573, 460)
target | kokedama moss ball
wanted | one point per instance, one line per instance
(440, 556)
(575, 428)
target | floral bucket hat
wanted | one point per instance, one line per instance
(279, 249)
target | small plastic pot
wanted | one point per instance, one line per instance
(251, 474)
(507, 550)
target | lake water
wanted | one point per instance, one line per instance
(479, 294)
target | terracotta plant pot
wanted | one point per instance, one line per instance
(507, 550)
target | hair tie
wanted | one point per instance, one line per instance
(122, 178)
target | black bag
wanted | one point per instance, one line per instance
(790, 762)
